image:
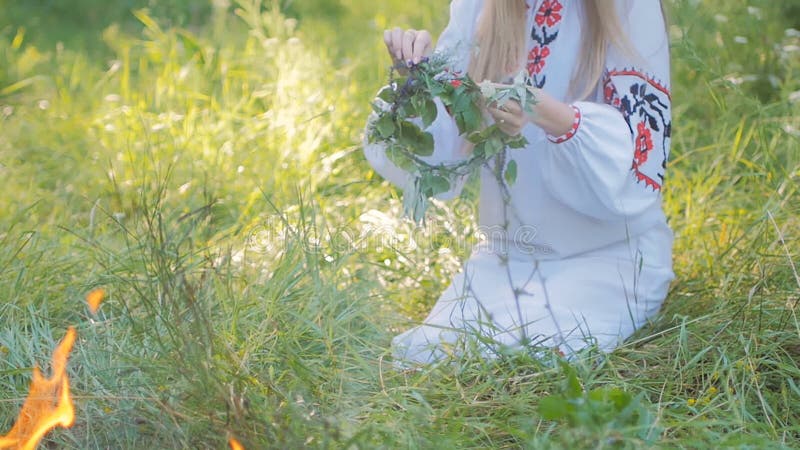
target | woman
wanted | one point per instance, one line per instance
(578, 250)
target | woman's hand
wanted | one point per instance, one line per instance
(408, 47)
(554, 117)
(510, 117)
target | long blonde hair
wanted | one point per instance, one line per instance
(502, 37)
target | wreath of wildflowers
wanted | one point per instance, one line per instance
(405, 107)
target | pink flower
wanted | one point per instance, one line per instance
(455, 83)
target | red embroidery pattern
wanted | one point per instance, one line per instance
(610, 92)
(647, 105)
(545, 30)
(536, 59)
(549, 13)
(576, 123)
(644, 143)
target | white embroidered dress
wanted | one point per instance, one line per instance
(587, 255)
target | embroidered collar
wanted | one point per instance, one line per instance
(547, 18)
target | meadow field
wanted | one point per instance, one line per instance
(200, 161)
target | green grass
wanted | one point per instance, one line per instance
(202, 163)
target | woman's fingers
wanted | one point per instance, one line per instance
(509, 122)
(407, 45)
(397, 43)
(409, 36)
(422, 46)
(504, 117)
(512, 107)
(387, 39)
(510, 110)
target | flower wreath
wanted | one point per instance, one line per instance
(406, 106)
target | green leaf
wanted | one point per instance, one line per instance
(420, 142)
(438, 90)
(409, 130)
(387, 94)
(410, 109)
(574, 387)
(385, 126)
(434, 184)
(429, 113)
(554, 407)
(425, 145)
(619, 398)
(511, 172)
(461, 100)
(462, 128)
(472, 117)
(417, 100)
(480, 149)
(494, 145)
(399, 158)
(414, 202)
(475, 137)
(517, 142)
(488, 131)
(403, 111)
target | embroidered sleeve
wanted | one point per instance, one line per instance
(639, 88)
(645, 106)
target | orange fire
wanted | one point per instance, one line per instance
(94, 298)
(48, 404)
(235, 445)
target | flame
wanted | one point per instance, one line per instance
(48, 404)
(94, 298)
(235, 445)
